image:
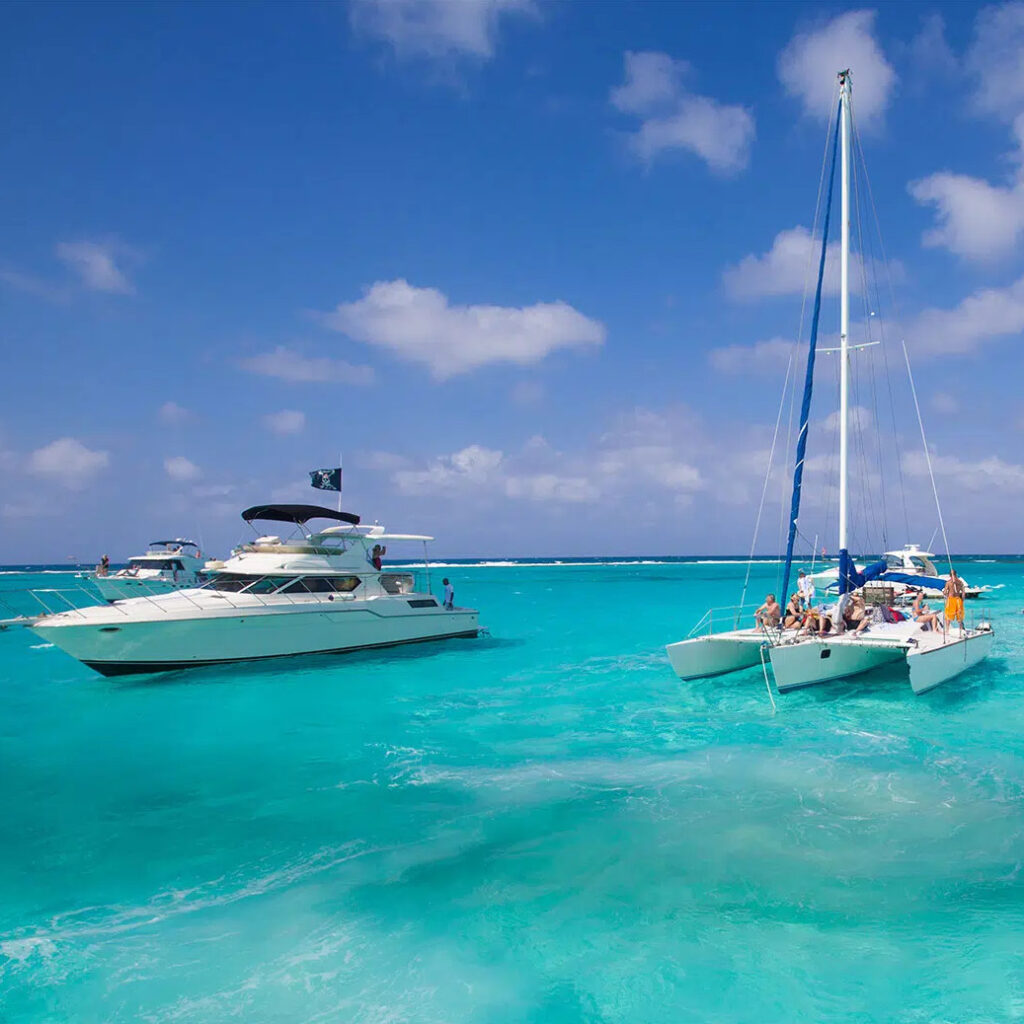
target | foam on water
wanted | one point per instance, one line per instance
(540, 825)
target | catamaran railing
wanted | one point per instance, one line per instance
(726, 617)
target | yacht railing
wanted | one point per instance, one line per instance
(30, 604)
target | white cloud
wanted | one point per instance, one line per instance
(419, 324)
(180, 468)
(436, 29)
(976, 220)
(858, 417)
(287, 421)
(287, 364)
(965, 475)
(809, 64)
(930, 55)
(31, 284)
(173, 414)
(788, 267)
(945, 403)
(984, 315)
(94, 263)
(68, 461)
(673, 117)
(769, 356)
(527, 392)
(994, 60)
(646, 459)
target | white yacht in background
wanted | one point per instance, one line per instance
(167, 565)
(314, 593)
(909, 560)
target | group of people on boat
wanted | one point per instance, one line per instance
(851, 612)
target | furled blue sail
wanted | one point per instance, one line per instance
(805, 408)
(921, 582)
(850, 578)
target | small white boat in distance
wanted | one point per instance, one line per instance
(167, 565)
(909, 560)
(313, 593)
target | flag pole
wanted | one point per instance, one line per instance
(340, 477)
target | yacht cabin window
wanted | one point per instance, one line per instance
(235, 582)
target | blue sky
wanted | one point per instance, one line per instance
(534, 268)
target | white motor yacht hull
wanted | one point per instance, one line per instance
(716, 654)
(931, 666)
(811, 661)
(134, 645)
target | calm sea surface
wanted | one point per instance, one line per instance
(541, 825)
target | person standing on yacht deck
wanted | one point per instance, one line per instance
(805, 585)
(449, 594)
(953, 592)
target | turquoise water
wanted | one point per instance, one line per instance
(539, 825)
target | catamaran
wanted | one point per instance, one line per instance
(323, 591)
(799, 659)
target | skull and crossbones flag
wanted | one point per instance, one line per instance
(326, 479)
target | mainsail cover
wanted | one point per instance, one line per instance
(805, 408)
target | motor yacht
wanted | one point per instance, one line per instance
(909, 560)
(167, 565)
(315, 592)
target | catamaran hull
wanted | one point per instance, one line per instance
(157, 646)
(932, 667)
(705, 656)
(820, 661)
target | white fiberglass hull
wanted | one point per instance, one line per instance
(932, 657)
(932, 665)
(813, 661)
(116, 645)
(716, 654)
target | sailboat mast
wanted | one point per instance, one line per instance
(844, 298)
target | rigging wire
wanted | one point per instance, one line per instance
(869, 317)
(764, 489)
(927, 456)
(859, 150)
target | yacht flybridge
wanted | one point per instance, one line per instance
(800, 658)
(317, 592)
(167, 565)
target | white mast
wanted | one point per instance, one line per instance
(844, 298)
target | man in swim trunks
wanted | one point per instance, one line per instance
(953, 592)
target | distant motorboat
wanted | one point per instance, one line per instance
(166, 566)
(909, 560)
(321, 592)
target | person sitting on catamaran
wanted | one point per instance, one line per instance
(769, 614)
(794, 611)
(922, 613)
(856, 616)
